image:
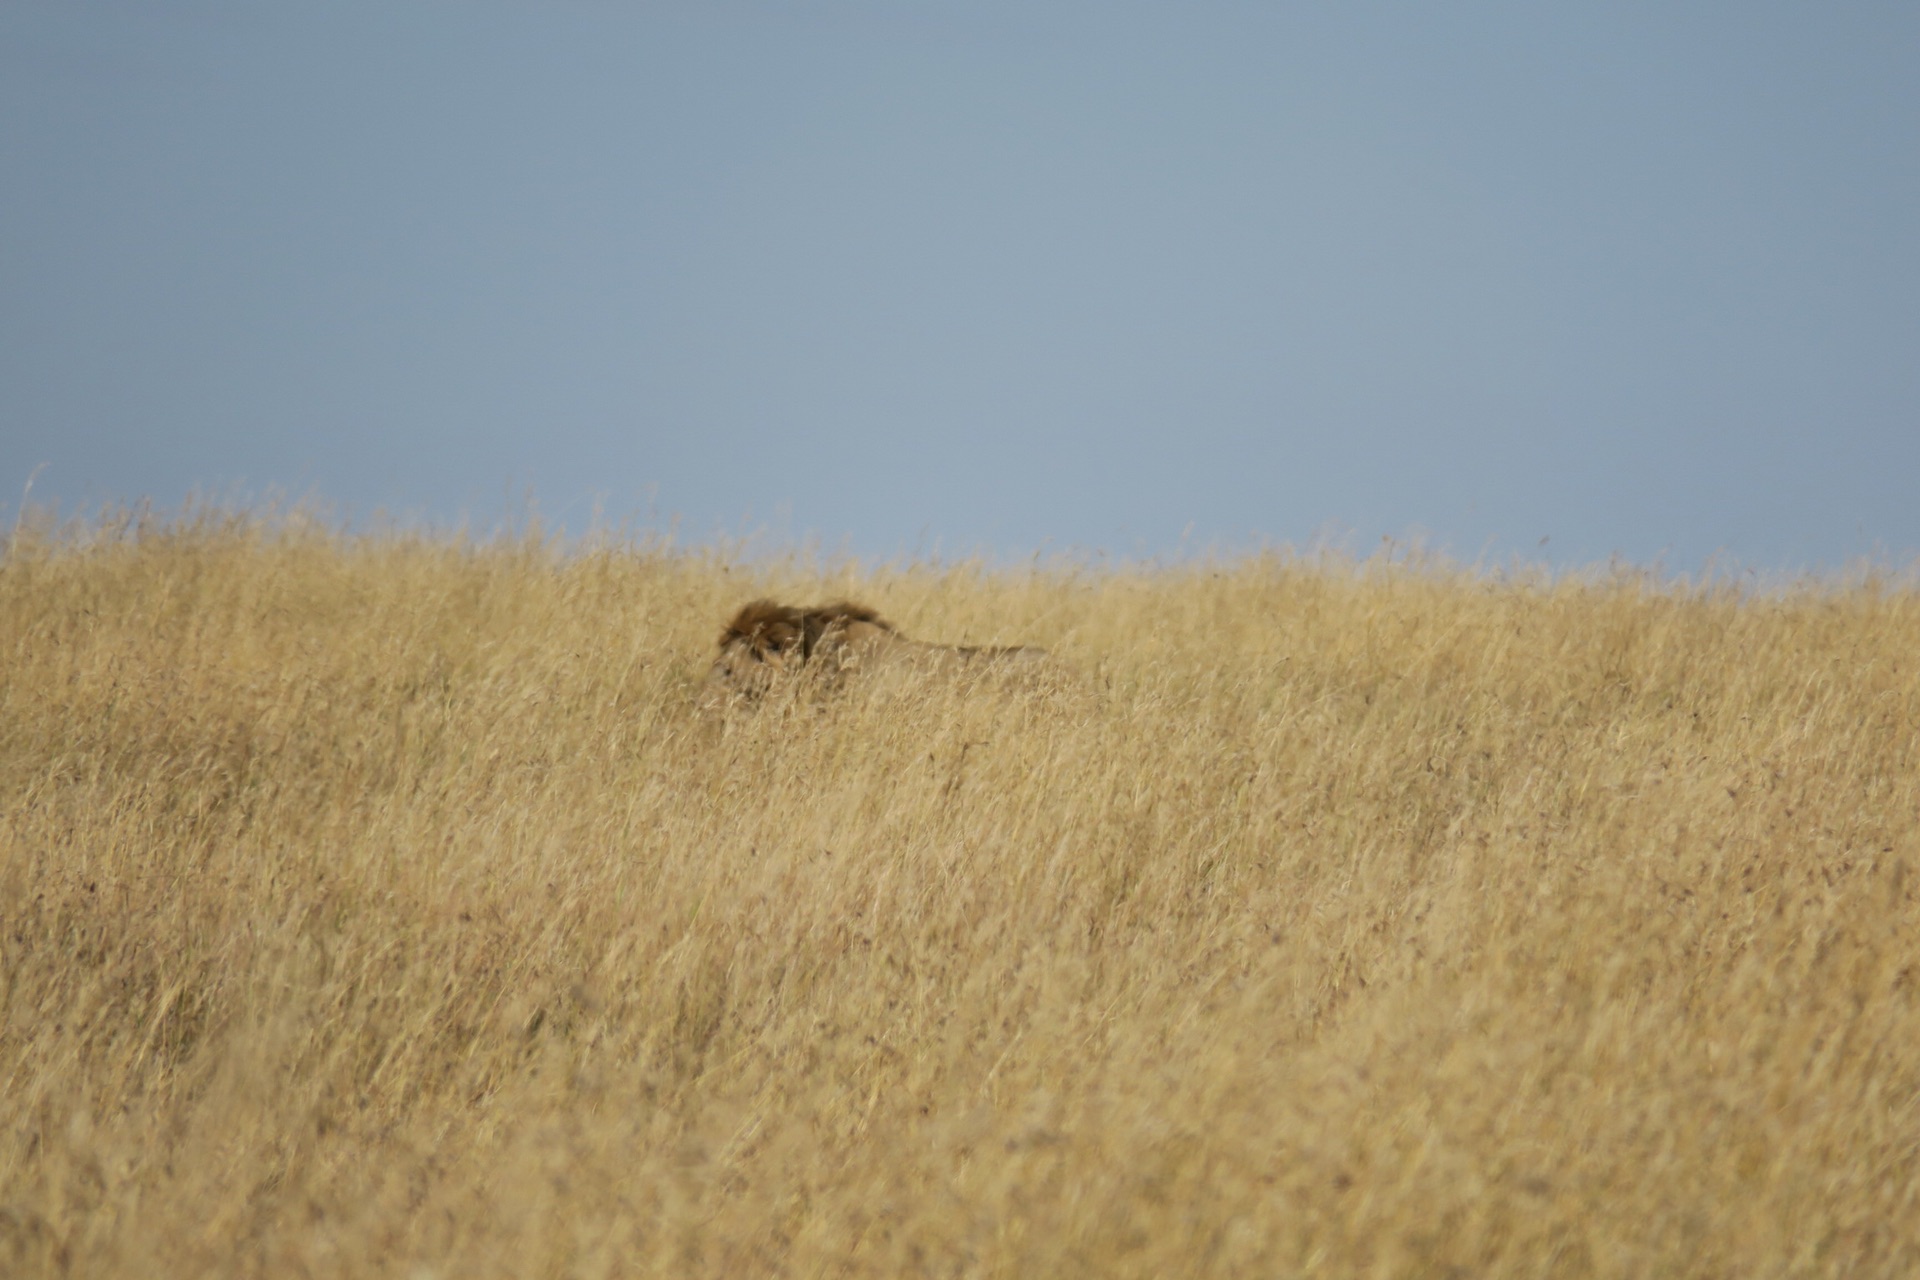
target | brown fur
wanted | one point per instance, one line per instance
(765, 640)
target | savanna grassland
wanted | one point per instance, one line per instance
(398, 905)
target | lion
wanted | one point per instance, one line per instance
(766, 641)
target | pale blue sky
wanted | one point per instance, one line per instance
(1637, 278)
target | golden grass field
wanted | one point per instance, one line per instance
(392, 905)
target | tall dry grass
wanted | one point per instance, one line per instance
(394, 906)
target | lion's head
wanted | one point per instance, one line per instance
(765, 640)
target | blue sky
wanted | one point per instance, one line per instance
(1638, 279)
